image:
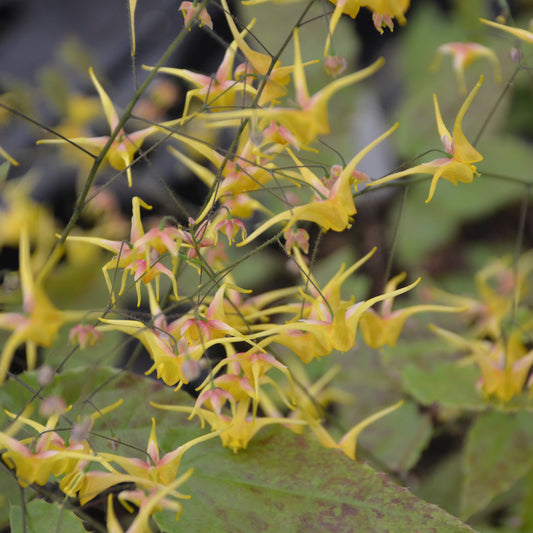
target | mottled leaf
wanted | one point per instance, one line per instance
(285, 482)
(498, 452)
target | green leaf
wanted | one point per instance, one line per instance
(448, 384)
(440, 482)
(498, 452)
(287, 482)
(399, 438)
(10, 495)
(42, 516)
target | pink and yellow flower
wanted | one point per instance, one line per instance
(458, 166)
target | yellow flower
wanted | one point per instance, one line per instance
(383, 11)
(385, 329)
(332, 206)
(273, 77)
(217, 92)
(504, 365)
(141, 256)
(235, 431)
(39, 321)
(457, 167)
(324, 321)
(122, 151)
(151, 473)
(36, 459)
(148, 503)
(311, 118)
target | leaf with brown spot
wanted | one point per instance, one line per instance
(285, 482)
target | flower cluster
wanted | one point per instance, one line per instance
(261, 189)
(501, 324)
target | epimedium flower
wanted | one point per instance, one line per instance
(501, 285)
(36, 459)
(211, 325)
(218, 92)
(37, 466)
(335, 65)
(148, 502)
(325, 322)
(273, 77)
(188, 10)
(383, 13)
(236, 384)
(463, 54)
(458, 166)
(125, 145)
(252, 365)
(310, 119)
(231, 227)
(177, 347)
(151, 473)
(38, 322)
(235, 431)
(141, 255)
(332, 206)
(84, 335)
(168, 351)
(505, 364)
(277, 135)
(385, 329)
(296, 238)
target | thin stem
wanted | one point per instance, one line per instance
(396, 233)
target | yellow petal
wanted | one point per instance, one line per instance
(348, 443)
(524, 35)
(109, 110)
(443, 130)
(464, 151)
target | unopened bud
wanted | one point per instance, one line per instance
(52, 405)
(45, 375)
(335, 65)
(516, 55)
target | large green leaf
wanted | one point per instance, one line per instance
(498, 452)
(448, 384)
(455, 386)
(399, 439)
(42, 516)
(287, 482)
